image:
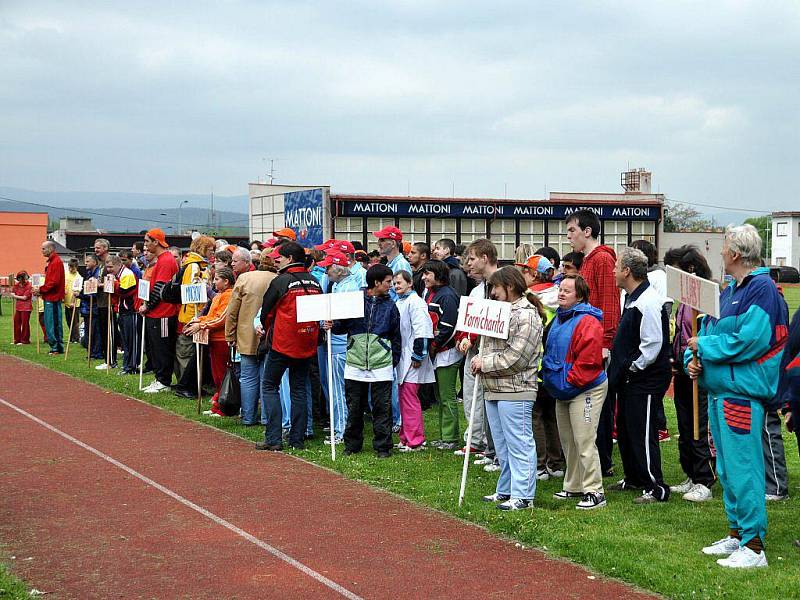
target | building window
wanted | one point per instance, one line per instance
(503, 233)
(349, 228)
(557, 237)
(414, 230)
(532, 232)
(471, 230)
(643, 230)
(615, 234)
(376, 224)
(442, 228)
(782, 229)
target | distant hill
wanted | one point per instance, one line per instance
(122, 211)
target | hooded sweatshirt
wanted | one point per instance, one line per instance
(573, 357)
(458, 279)
(598, 271)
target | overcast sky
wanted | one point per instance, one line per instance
(383, 97)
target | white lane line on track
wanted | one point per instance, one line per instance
(209, 515)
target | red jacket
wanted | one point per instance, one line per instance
(24, 289)
(279, 313)
(598, 271)
(52, 290)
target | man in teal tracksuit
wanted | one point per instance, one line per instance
(739, 358)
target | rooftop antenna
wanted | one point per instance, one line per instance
(271, 172)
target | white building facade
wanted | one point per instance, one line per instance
(786, 239)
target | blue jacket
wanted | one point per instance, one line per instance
(564, 349)
(373, 340)
(741, 351)
(789, 384)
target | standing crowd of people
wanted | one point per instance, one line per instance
(590, 356)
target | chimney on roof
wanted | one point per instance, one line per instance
(637, 181)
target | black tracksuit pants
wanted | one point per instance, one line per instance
(102, 319)
(605, 432)
(357, 394)
(637, 436)
(695, 455)
(161, 335)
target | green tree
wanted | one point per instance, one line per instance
(764, 226)
(681, 217)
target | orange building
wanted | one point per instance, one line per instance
(21, 237)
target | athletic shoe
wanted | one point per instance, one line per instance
(483, 460)
(514, 504)
(555, 472)
(270, 447)
(463, 451)
(565, 495)
(155, 387)
(682, 487)
(591, 500)
(623, 486)
(384, 454)
(645, 498)
(102, 367)
(744, 558)
(496, 497)
(495, 466)
(663, 435)
(775, 497)
(724, 547)
(447, 446)
(337, 441)
(698, 493)
(436, 443)
(411, 448)
(542, 474)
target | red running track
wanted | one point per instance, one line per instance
(107, 497)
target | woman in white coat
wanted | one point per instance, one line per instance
(415, 368)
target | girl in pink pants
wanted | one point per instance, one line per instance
(416, 330)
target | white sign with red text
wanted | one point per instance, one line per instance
(484, 317)
(691, 290)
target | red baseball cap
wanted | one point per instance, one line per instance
(327, 245)
(390, 233)
(343, 246)
(286, 232)
(334, 258)
(274, 253)
(270, 243)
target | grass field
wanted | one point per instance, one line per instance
(11, 588)
(656, 547)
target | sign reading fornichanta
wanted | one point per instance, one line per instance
(484, 317)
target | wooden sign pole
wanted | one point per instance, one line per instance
(109, 308)
(71, 324)
(38, 325)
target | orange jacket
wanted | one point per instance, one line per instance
(214, 321)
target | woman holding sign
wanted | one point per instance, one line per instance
(214, 323)
(508, 371)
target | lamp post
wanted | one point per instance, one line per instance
(180, 205)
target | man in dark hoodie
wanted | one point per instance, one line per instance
(445, 250)
(583, 229)
(373, 351)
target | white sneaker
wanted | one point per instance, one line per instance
(491, 468)
(155, 387)
(555, 472)
(744, 558)
(484, 460)
(542, 474)
(681, 488)
(775, 497)
(101, 367)
(339, 441)
(724, 547)
(698, 493)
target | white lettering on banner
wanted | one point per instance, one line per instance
(144, 290)
(534, 211)
(630, 211)
(483, 209)
(194, 293)
(691, 290)
(484, 317)
(304, 218)
(598, 210)
(381, 207)
(429, 209)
